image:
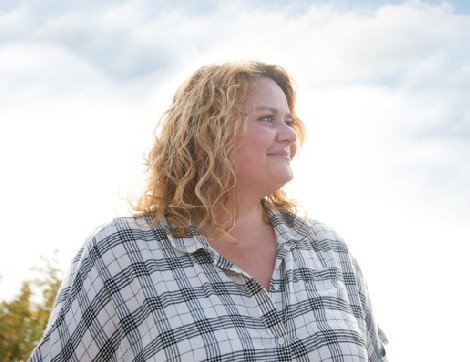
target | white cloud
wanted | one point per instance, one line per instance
(44, 70)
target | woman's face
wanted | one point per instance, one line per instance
(267, 143)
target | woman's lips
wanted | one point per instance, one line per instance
(280, 154)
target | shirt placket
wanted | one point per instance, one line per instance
(277, 292)
(265, 305)
(267, 311)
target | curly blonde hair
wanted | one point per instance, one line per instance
(191, 177)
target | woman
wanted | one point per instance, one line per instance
(216, 265)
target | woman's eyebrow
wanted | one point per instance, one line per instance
(273, 110)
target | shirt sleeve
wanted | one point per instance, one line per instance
(375, 338)
(82, 325)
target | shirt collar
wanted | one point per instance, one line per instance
(288, 227)
(189, 243)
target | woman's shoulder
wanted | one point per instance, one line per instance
(323, 231)
(322, 235)
(129, 228)
(305, 224)
(327, 237)
(124, 233)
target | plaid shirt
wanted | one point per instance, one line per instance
(135, 293)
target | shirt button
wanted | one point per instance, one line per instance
(281, 340)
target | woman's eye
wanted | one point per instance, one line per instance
(267, 118)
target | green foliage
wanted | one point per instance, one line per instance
(23, 320)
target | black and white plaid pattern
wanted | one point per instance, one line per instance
(134, 293)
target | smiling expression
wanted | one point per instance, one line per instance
(267, 143)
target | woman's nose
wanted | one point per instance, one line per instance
(286, 134)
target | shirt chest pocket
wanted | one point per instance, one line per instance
(325, 298)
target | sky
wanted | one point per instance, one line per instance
(383, 87)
